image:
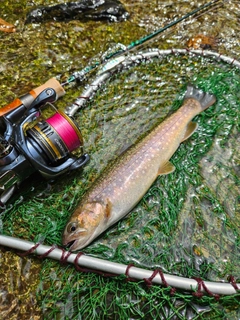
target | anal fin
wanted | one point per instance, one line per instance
(191, 128)
(166, 169)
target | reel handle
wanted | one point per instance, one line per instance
(51, 83)
(27, 99)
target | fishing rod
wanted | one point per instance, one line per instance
(32, 141)
(106, 267)
(173, 23)
(80, 75)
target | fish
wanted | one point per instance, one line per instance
(123, 184)
(6, 26)
(84, 10)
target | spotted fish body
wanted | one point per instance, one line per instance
(122, 185)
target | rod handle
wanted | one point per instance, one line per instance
(32, 95)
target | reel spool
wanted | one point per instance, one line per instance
(54, 138)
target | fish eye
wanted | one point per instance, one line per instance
(72, 227)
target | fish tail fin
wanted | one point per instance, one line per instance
(204, 98)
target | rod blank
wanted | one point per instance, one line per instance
(105, 266)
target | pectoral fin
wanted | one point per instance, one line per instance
(166, 169)
(191, 128)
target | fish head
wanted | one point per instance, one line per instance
(85, 225)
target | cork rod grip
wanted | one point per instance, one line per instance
(51, 83)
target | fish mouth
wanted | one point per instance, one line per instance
(75, 244)
(79, 240)
(70, 244)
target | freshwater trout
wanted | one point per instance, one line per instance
(126, 181)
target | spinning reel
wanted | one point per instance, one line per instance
(31, 141)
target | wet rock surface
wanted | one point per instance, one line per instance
(111, 10)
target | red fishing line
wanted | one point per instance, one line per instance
(65, 130)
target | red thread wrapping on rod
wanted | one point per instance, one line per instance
(128, 278)
(78, 268)
(148, 281)
(82, 97)
(31, 250)
(232, 281)
(81, 269)
(65, 254)
(44, 255)
(201, 285)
